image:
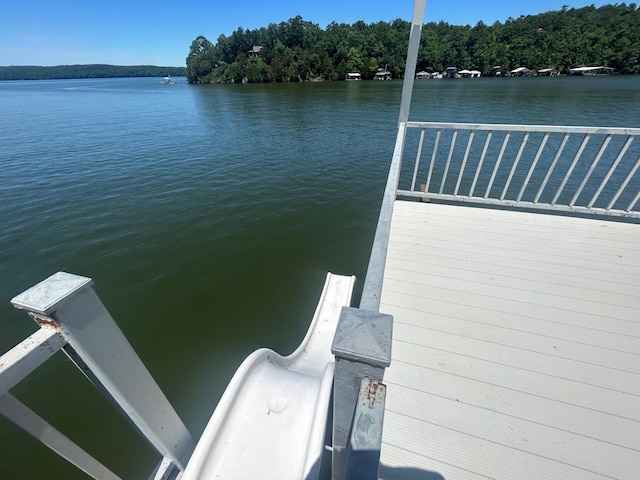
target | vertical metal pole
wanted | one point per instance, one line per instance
(69, 302)
(412, 59)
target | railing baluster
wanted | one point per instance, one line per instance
(495, 168)
(612, 169)
(633, 202)
(515, 165)
(464, 162)
(552, 167)
(415, 168)
(446, 167)
(585, 140)
(479, 167)
(603, 147)
(433, 160)
(624, 184)
(533, 165)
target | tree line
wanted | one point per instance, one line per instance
(299, 50)
(28, 72)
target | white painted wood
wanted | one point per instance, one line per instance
(25, 357)
(452, 263)
(568, 402)
(479, 334)
(466, 452)
(516, 350)
(30, 422)
(456, 303)
(540, 439)
(87, 326)
(270, 422)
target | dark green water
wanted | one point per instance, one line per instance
(208, 217)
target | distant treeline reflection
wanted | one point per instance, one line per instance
(298, 50)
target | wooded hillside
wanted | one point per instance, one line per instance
(299, 50)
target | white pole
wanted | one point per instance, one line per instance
(412, 58)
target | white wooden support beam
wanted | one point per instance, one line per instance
(28, 355)
(30, 422)
(68, 302)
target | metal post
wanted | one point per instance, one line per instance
(103, 353)
(412, 58)
(363, 461)
(362, 346)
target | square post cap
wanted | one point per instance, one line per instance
(363, 336)
(48, 295)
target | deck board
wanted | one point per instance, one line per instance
(516, 350)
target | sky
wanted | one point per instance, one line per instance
(159, 32)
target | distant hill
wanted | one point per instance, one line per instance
(29, 72)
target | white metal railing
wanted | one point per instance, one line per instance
(587, 170)
(72, 319)
(571, 170)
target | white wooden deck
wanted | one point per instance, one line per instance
(516, 350)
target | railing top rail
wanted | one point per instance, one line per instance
(527, 128)
(372, 289)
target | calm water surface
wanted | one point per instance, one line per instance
(208, 217)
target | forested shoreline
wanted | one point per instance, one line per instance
(299, 50)
(32, 72)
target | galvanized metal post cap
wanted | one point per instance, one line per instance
(363, 336)
(48, 295)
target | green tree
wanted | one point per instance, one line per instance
(201, 60)
(298, 50)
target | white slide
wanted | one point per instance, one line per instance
(270, 422)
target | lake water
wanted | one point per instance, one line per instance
(208, 217)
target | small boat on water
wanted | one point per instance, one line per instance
(167, 80)
(383, 74)
(352, 77)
